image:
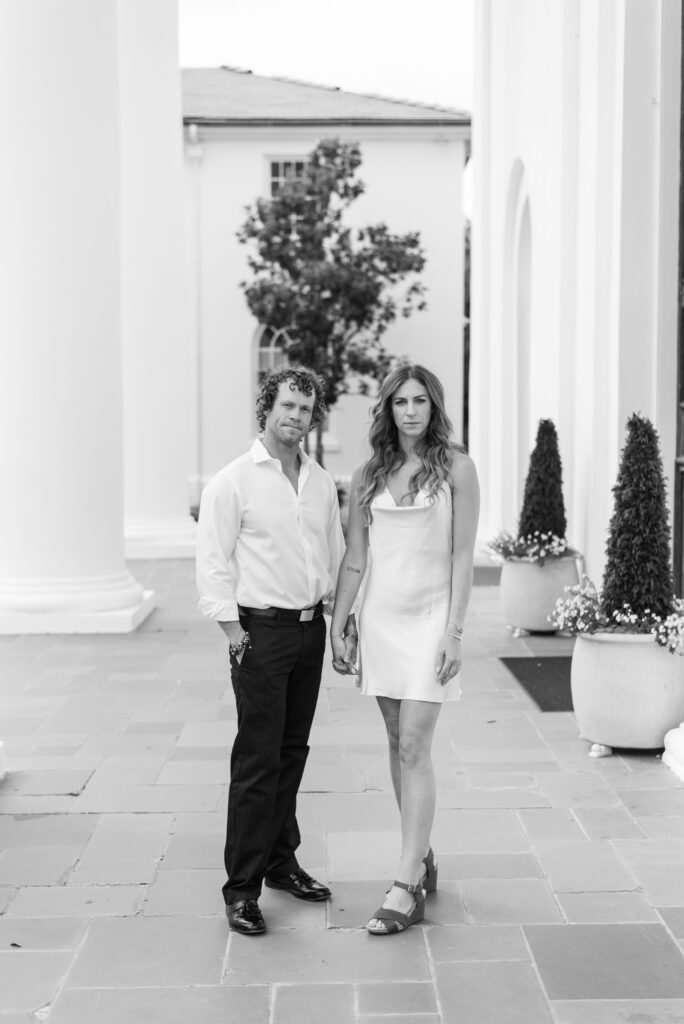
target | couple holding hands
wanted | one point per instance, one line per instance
(270, 557)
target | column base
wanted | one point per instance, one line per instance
(116, 620)
(674, 751)
(160, 538)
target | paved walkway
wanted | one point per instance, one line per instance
(561, 893)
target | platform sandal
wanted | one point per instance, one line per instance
(396, 921)
(431, 869)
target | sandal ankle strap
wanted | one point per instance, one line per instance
(412, 889)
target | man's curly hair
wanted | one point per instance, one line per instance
(302, 379)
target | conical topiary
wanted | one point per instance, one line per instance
(543, 509)
(638, 571)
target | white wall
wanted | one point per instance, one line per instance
(413, 183)
(576, 114)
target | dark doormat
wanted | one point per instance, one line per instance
(547, 680)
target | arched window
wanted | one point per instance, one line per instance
(271, 354)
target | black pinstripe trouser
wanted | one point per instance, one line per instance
(276, 688)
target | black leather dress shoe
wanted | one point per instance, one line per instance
(301, 885)
(245, 917)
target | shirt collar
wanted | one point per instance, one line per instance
(260, 453)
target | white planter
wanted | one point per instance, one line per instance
(529, 591)
(626, 690)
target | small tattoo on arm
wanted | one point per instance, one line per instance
(350, 568)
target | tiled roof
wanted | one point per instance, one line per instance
(233, 96)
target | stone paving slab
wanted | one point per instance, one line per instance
(46, 829)
(496, 901)
(549, 824)
(29, 980)
(584, 867)
(40, 865)
(560, 895)
(400, 1018)
(489, 865)
(121, 799)
(620, 1011)
(505, 992)
(124, 848)
(674, 919)
(636, 961)
(327, 955)
(479, 831)
(477, 943)
(416, 997)
(334, 1004)
(129, 952)
(77, 901)
(42, 933)
(602, 907)
(206, 1004)
(663, 884)
(609, 823)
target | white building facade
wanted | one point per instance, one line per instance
(574, 244)
(242, 132)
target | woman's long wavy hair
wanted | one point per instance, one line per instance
(436, 448)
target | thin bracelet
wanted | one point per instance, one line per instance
(457, 632)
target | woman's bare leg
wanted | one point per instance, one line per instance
(417, 721)
(391, 709)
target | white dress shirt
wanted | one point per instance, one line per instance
(260, 544)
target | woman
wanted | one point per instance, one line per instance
(413, 512)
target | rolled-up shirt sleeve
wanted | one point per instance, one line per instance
(218, 527)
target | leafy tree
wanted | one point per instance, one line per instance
(638, 571)
(543, 508)
(333, 288)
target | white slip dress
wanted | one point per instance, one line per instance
(406, 598)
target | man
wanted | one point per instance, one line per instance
(269, 544)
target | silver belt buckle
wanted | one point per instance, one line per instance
(306, 615)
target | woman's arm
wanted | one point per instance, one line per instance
(466, 510)
(349, 579)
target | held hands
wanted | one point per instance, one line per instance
(344, 650)
(448, 662)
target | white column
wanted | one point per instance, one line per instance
(666, 283)
(62, 566)
(155, 292)
(484, 409)
(650, 168)
(194, 156)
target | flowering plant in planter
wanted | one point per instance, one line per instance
(537, 564)
(583, 612)
(535, 547)
(637, 594)
(541, 530)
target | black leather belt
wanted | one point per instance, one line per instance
(284, 614)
